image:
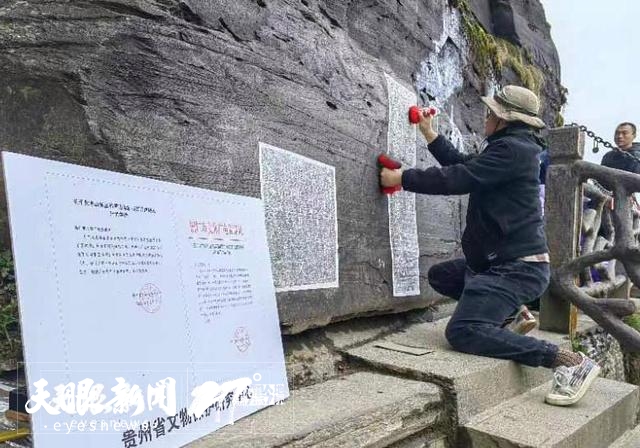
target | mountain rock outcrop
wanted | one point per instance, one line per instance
(184, 91)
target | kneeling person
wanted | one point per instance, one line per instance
(506, 263)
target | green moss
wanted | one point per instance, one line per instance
(514, 57)
(576, 346)
(7, 278)
(491, 54)
(633, 320)
(10, 340)
(483, 45)
(559, 120)
(8, 319)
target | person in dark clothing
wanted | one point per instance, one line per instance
(506, 263)
(544, 166)
(627, 156)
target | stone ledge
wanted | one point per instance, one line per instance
(316, 355)
(475, 383)
(360, 410)
(607, 410)
(630, 439)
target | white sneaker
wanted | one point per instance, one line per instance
(571, 383)
(523, 322)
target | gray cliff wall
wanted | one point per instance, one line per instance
(183, 91)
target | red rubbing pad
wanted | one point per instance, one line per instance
(387, 162)
(384, 161)
(414, 114)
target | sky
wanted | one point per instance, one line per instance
(598, 44)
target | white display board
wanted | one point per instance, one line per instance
(299, 197)
(403, 228)
(142, 304)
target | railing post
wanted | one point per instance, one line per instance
(563, 216)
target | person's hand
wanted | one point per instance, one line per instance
(390, 178)
(426, 125)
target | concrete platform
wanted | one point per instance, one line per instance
(630, 439)
(475, 383)
(360, 410)
(607, 410)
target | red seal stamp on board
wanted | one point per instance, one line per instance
(149, 298)
(241, 339)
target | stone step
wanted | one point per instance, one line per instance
(473, 383)
(630, 439)
(359, 410)
(607, 410)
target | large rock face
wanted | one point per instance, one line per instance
(184, 90)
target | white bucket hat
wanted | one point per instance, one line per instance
(514, 103)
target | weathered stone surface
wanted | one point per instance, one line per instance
(563, 212)
(563, 217)
(422, 441)
(533, 30)
(473, 383)
(566, 144)
(631, 439)
(632, 368)
(359, 410)
(604, 414)
(524, 23)
(482, 11)
(604, 349)
(317, 355)
(184, 90)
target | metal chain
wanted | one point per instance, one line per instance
(597, 140)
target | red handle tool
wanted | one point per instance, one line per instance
(384, 161)
(414, 113)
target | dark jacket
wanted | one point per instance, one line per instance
(544, 166)
(504, 219)
(624, 160)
